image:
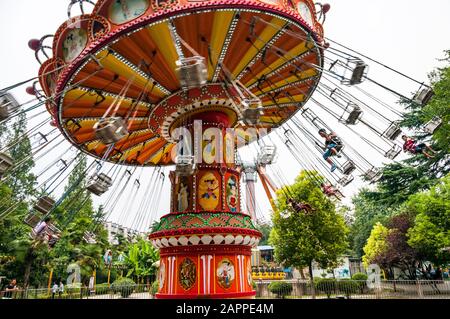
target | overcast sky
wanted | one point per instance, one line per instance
(409, 35)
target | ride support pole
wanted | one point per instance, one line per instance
(50, 280)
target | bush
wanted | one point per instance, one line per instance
(348, 287)
(124, 286)
(280, 288)
(361, 278)
(326, 285)
(155, 288)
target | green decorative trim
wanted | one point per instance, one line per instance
(203, 220)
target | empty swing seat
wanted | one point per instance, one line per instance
(373, 174)
(424, 96)
(267, 155)
(89, 238)
(32, 219)
(393, 152)
(252, 111)
(8, 104)
(185, 165)
(99, 184)
(355, 114)
(433, 125)
(393, 131)
(192, 72)
(44, 204)
(345, 180)
(110, 130)
(348, 167)
(356, 72)
(6, 162)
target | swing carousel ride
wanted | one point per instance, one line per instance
(123, 81)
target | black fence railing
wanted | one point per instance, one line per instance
(354, 289)
(288, 289)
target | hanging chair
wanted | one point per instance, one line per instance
(433, 125)
(372, 175)
(99, 184)
(32, 219)
(354, 114)
(346, 179)
(252, 111)
(348, 167)
(355, 72)
(8, 105)
(267, 155)
(110, 130)
(393, 131)
(6, 162)
(393, 152)
(185, 165)
(424, 96)
(44, 204)
(192, 72)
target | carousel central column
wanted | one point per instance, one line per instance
(205, 242)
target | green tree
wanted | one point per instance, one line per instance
(22, 181)
(265, 231)
(299, 239)
(431, 232)
(140, 259)
(376, 244)
(367, 213)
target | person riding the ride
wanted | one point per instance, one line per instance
(411, 146)
(333, 144)
(299, 207)
(330, 190)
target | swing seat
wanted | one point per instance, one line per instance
(423, 96)
(433, 125)
(6, 162)
(44, 204)
(192, 72)
(252, 111)
(185, 165)
(393, 152)
(110, 130)
(99, 184)
(372, 175)
(267, 155)
(348, 167)
(8, 104)
(356, 72)
(345, 180)
(393, 131)
(354, 116)
(32, 219)
(89, 238)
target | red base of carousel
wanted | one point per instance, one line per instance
(243, 295)
(205, 272)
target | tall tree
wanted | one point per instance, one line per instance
(431, 232)
(22, 181)
(140, 259)
(367, 213)
(298, 238)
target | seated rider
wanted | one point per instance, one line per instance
(411, 146)
(333, 144)
(41, 227)
(329, 191)
(299, 207)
